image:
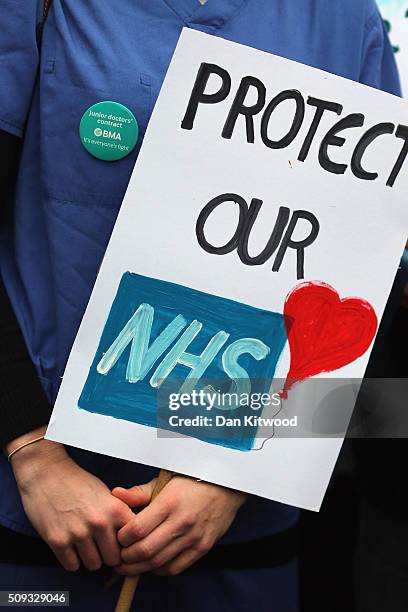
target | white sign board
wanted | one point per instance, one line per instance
(259, 237)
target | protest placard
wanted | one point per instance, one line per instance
(254, 251)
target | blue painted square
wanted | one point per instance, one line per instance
(111, 394)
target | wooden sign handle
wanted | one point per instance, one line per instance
(130, 582)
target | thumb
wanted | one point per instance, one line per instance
(139, 495)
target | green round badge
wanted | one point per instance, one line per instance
(108, 130)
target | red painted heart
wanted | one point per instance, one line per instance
(325, 332)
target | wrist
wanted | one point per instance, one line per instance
(13, 445)
(33, 458)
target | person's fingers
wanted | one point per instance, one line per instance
(144, 522)
(149, 563)
(89, 554)
(160, 543)
(109, 547)
(67, 557)
(175, 558)
(182, 562)
(139, 495)
(132, 569)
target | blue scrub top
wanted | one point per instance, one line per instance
(67, 201)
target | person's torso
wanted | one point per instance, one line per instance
(67, 201)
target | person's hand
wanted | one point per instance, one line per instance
(180, 525)
(72, 510)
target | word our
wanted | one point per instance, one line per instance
(246, 220)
